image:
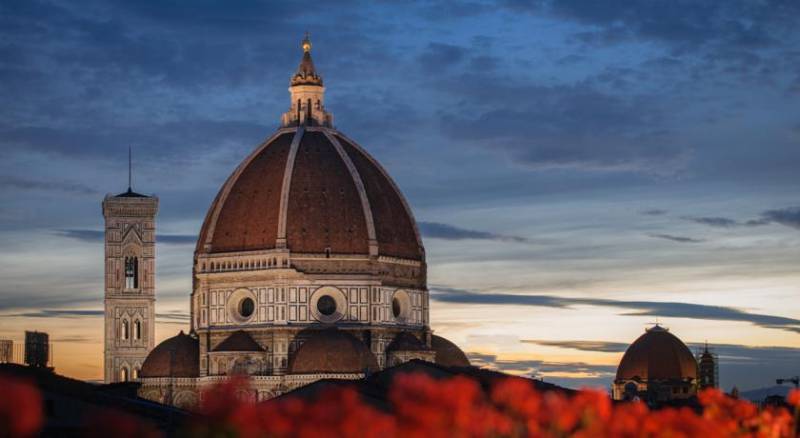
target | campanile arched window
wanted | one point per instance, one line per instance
(137, 330)
(125, 329)
(131, 273)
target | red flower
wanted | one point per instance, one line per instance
(20, 408)
(794, 397)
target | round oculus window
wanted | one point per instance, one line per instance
(396, 309)
(246, 307)
(326, 305)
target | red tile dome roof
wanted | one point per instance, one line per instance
(177, 356)
(314, 191)
(447, 353)
(332, 351)
(657, 355)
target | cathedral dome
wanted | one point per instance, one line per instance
(657, 355)
(173, 357)
(447, 353)
(311, 191)
(332, 351)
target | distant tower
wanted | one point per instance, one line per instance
(130, 251)
(707, 369)
(37, 349)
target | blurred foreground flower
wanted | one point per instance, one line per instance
(20, 408)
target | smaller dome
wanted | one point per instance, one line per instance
(657, 355)
(405, 341)
(174, 357)
(332, 351)
(240, 340)
(447, 353)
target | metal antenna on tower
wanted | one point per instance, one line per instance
(130, 170)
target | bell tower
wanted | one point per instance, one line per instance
(130, 250)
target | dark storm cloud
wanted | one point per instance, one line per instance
(673, 238)
(8, 183)
(449, 232)
(94, 236)
(635, 308)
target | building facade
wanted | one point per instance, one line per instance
(309, 265)
(130, 286)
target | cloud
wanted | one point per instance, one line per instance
(789, 217)
(594, 346)
(58, 313)
(721, 222)
(740, 365)
(688, 24)
(438, 230)
(8, 183)
(634, 308)
(567, 374)
(94, 236)
(654, 212)
(576, 127)
(680, 239)
(438, 57)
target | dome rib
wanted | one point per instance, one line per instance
(324, 208)
(391, 222)
(287, 186)
(362, 192)
(205, 241)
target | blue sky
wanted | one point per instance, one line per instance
(579, 168)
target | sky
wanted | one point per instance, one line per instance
(579, 170)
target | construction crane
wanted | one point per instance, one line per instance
(794, 380)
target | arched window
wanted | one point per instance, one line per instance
(135, 374)
(137, 330)
(124, 333)
(123, 374)
(131, 273)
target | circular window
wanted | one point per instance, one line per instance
(396, 309)
(246, 307)
(326, 305)
(401, 306)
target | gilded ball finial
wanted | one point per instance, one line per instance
(306, 43)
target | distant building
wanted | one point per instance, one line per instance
(6, 351)
(130, 283)
(708, 369)
(657, 367)
(37, 349)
